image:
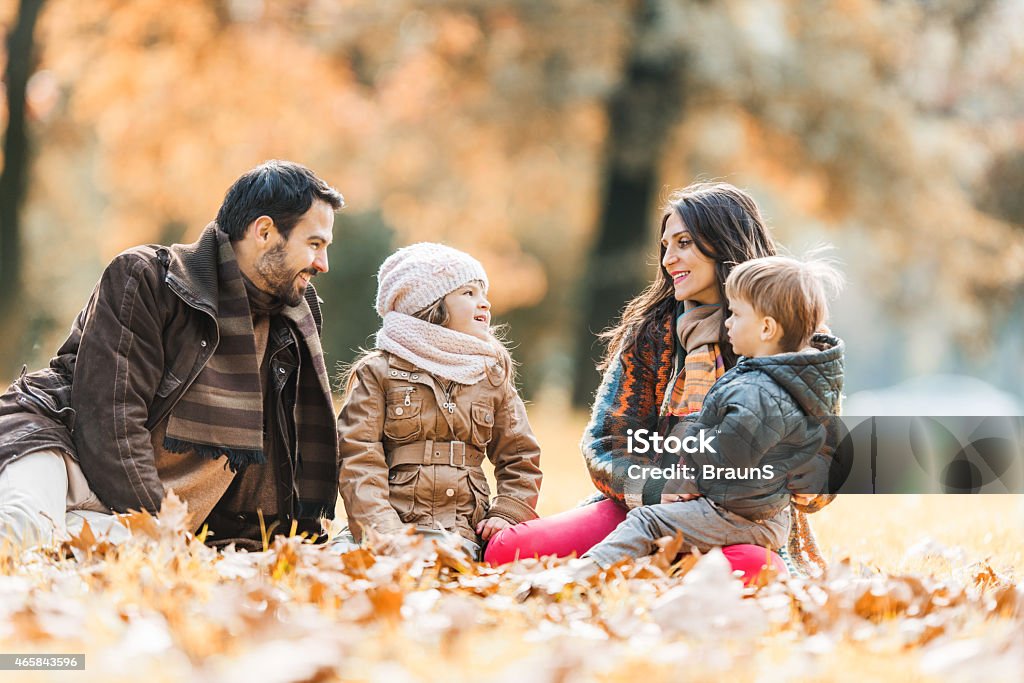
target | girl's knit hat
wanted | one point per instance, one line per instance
(418, 275)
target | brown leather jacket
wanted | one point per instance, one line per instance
(406, 460)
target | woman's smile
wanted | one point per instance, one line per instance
(679, 275)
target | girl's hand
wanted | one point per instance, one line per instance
(678, 497)
(491, 526)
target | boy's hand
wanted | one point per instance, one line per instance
(490, 526)
(678, 497)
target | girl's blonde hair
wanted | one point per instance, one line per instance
(794, 292)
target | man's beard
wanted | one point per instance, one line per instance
(280, 281)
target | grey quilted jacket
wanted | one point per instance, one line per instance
(758, 412)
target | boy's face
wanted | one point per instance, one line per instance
(750, 333)
(469, 311)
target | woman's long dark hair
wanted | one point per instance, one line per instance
(726, 226)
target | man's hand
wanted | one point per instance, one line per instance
(678, 497)
(491, 526)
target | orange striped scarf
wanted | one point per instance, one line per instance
(698, 330)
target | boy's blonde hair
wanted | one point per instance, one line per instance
(795, 293)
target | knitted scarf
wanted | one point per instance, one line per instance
(221, 413)
(698, 331)
(448, 354)
(260, 303)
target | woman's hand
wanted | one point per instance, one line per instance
(490, 526)
(804, 499)
(678, 497)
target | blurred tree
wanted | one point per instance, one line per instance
(1002, 193)
(14, 176)
(642, 112)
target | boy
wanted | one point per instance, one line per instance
(765, 446)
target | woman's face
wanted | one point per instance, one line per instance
(692, 273)
(469, 311)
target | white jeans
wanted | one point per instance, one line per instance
(44, 496)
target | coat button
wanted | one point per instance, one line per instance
(203, 343)
(399, 411)
(414, 376)
(449, 492)
(394, 373)
(488, 419)
(405, 374)
(281, 370)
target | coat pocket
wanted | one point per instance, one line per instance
(168, 383)
(402, 490)
(402, 420)
(482, 417)
(43, 392)
(481, 495)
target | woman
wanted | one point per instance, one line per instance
(663, 356)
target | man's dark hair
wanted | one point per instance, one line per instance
(282, 190)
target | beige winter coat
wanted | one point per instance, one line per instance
(406, 459)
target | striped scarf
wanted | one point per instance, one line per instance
(221, 413)
(698, 331)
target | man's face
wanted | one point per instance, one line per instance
(287, 267)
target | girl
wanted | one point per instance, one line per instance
(435, 398)
(667, 351)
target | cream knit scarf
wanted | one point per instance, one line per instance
(440, 351)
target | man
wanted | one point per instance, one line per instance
(196, 368)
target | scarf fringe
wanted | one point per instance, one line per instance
(237, 458)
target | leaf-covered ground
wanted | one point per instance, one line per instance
(919, 588)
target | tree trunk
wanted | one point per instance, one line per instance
(641, 114)
(14, 177)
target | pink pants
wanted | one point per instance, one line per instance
(579, 529)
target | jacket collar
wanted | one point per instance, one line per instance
(813, 379)
(400, 363)
(192, 269)
(495, 371)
